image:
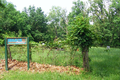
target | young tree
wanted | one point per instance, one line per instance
(37, 23)
(57, 21)
(99, 16)
(105, 17)
(81, 36)
(114, 20)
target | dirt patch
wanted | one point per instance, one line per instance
(36, 67)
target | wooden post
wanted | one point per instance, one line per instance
(30, 45)
(8, 47)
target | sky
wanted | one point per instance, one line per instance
(46, 5)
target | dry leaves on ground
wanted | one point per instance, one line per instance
(36, 67)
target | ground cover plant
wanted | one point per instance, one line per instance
(105, 65)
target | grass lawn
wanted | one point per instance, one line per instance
(19, 75)
(105, 65)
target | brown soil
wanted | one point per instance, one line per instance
(36, 67)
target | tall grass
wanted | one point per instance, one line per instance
(105, 64)
(46, 56)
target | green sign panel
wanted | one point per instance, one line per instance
(16, 41)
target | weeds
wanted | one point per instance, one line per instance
(104, 66)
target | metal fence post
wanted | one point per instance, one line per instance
(6, 57)
(28, 52)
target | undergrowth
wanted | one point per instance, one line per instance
(105, 65)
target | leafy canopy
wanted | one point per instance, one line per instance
(79, 33)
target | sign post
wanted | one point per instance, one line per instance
(16, 41)
(28, 52)
(6, 56)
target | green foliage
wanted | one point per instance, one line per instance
(1, 41)
(57, 22)
(7, 34)
(105, 65)
(78, 9)
(37, 23)
(106, 22)
(1, 4)
(80, 33)
(81, 36)
(31, 23)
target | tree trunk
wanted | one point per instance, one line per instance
(56, 32)
(85, 58)
(30, 57)
(9, 52)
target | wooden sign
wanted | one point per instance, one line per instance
(16, 41)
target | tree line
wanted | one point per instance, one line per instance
(35, 24)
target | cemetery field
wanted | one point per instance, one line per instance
(105, 65)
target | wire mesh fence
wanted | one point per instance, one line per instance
(45, 55)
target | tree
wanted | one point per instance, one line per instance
(81, 36)
(99, 16)
(31, 23)
(37, 23)
(105, 21)
(78, 9)
(114, 19)
(1, 4)
(57, 21)
(7, 21)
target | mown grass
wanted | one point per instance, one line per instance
(105, 65)
(18, 75)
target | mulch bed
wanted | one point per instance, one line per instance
(36, 67)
